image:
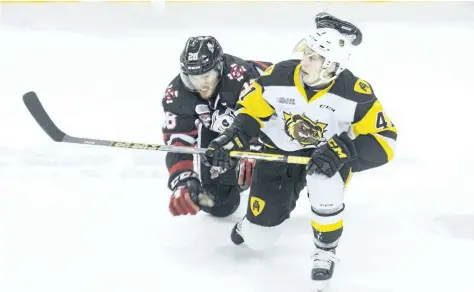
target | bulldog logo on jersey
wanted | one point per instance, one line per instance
(304, 130)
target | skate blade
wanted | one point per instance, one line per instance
(321, 286)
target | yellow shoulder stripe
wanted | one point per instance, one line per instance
(374, 121)
(254, 103)
(269, 70)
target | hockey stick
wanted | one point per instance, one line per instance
(36, 109)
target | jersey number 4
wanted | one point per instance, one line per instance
(381, 121)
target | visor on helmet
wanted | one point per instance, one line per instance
(201, 82)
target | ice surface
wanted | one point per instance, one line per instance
(84, 218)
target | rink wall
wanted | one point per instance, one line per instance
(251, 15)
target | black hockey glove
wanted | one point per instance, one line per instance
(188, 195)
(330, 157)
(217, 153)
(326, 20)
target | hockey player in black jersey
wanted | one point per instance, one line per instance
(313, 107)
(199, 104)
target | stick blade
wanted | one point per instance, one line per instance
(38, 112)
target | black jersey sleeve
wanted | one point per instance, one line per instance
(179, 127)
(374, 131)
(237, 76)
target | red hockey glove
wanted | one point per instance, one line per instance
(244, 168)
(188, 195)
(244, 171)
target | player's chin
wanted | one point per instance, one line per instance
(308, 79)
(206, 94)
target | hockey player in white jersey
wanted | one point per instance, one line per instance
(314, 107)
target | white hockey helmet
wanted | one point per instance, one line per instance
(330, 44)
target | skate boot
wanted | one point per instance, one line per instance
(236, 235)
(323, 264)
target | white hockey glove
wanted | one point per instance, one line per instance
(221, 120)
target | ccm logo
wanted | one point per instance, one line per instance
(327, 107)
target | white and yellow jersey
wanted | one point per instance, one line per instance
(294, 117)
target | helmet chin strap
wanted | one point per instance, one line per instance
(322, 81)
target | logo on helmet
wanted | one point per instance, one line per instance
(210, 47)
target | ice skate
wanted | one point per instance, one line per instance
(236, 235)
(323, 267)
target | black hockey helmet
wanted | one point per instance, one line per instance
(200, 55)
(326, 20)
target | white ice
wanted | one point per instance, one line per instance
(86, 218)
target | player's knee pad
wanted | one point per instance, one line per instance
(227, 200)
(327, 203)
(259, 237)
(326, 194)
